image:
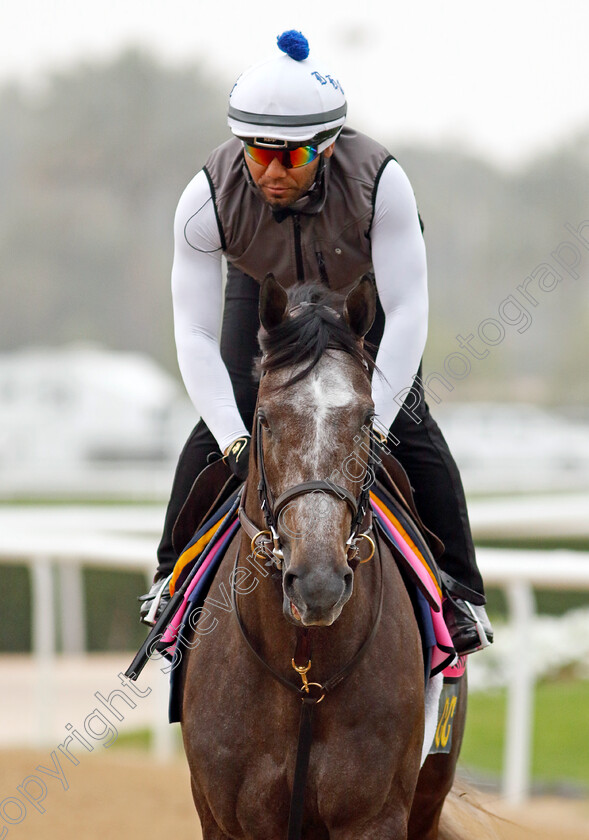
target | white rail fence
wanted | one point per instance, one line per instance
(125, 538)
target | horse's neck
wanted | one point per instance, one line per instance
(251, 502)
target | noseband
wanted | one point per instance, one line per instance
(267, 543)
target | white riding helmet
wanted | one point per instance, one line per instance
(288, 99)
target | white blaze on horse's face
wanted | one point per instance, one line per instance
(310, 434)
(323, 395)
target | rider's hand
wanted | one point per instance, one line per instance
(237, 456)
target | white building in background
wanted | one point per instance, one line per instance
(84, 405)
(516, 447)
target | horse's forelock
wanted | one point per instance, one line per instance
(302, 338)
(315, 293)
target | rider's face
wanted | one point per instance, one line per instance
(280, 186)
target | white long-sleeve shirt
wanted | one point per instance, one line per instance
(399, 263)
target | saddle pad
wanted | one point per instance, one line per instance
(196, 592)
(419, 568)
(408, 541)
(198, 544)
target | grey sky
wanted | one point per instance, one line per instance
(508, 79)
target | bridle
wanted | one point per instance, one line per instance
(266, 543)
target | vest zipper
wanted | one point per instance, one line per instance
(322, 267)
(298, 250)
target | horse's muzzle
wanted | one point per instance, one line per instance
(316, 597)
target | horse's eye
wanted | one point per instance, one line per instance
(264, 422)
(369, 418)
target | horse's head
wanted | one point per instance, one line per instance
(312, 435)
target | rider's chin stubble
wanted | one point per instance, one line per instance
(285, 191)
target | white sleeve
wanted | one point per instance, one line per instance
(400, 269)
(197, 295)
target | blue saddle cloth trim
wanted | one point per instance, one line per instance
(423, 614)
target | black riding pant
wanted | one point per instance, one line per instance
(422, 450)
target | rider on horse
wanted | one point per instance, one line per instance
(296, 193)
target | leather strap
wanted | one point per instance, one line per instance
(297, 799)
(312, 487)
(303, 649)
(250, 528)
(341, 675)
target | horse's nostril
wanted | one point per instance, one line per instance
(289, 580)
(348, 581)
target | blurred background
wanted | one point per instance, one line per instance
(107, 111)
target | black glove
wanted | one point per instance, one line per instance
(237, 456)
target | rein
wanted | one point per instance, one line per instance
(266, 544)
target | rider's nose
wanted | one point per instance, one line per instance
(276, 169)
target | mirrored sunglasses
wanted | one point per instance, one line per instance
(289, 158)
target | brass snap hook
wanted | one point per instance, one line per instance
(302, 671)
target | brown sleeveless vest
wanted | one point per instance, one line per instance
(327, 241)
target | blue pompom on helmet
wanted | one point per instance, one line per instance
(294, 44)
(289, 98)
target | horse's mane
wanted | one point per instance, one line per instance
(315, 325)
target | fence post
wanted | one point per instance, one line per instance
(520, 694)
(43, 609)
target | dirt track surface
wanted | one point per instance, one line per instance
(122, 796)
(126, 796)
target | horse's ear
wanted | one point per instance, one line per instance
(273, 303)
(360, 306)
